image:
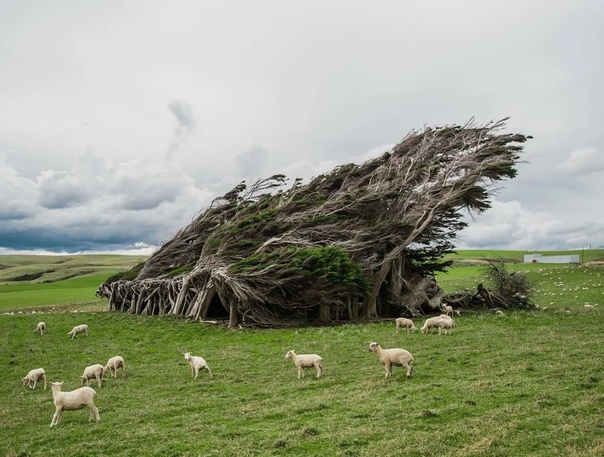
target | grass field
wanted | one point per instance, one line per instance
(527, 383)
(59, 280)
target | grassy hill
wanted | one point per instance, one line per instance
(526, 383)
(42, 281)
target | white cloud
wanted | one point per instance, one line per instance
(582, 161)
(157, 108)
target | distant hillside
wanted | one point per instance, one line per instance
(28, 269)
(481, 256)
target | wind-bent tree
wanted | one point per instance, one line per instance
(360, 242)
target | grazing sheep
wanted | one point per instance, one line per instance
(404, 323)
(78, 329)
(447, 309)
(589, 307)
(113, 364)
(433, 322)
(197, 363)
(69, 401)
(95, 371)
(499, 313)
(41, 328)
(33, 377)
(393, 357)
(305, 361)
(445, 325)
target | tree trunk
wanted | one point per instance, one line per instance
(324, 313)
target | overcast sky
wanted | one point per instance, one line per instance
(121, 120)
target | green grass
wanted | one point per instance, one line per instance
(65, 279)
(527, 383)
(524, 384)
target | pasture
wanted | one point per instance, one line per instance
(527, 383)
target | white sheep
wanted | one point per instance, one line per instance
(69, 401)
(447, 309)
(33, 377)
(393, 357)
(197, 363)
(499, 313)
(305, 361)
(445, 325)
(95, 371)
(433, 322)
(113, 364)
(41, 328)
(404, 323)
(78, 329)
(589, 307)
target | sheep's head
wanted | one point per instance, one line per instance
(105, 369)
(289, 354)
(56, 387)
(187, 355)
(373, 347)
(83, 379)
(25, 381)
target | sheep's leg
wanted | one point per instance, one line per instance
(388, 367)
(196, 372)
(94, 410)
(207, 368)
(44, 377)
(56, 417)
(34, 386)
(409, 370)
(99, 380)
(319, 369)
(300, 372)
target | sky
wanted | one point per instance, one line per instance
(121, 120)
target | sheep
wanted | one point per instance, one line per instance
(499, 313)
(113, 364)
(445, 325)
(405, 323)
(33, 377)
(93, 371)
(432, 322)
(197, 363)
(395, 356)
(589, 307)
(41, 328)
(447, 309)
(69, 401)
(306, 361)
(78, 329)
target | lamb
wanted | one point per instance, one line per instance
(432, 322)
(306, 361)
(405, 323)
(447, 309)
(33, 377)
(69, 401)
(113, 364)
(91, 372)
(78, 329)
(197, 363)
(395, 356)
(589, 307)
(41, 328)
(445, 325)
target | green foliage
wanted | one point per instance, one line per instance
(127, 275)
(328, 267)
(180, 270)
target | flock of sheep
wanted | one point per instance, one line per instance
(84, 396)
(78, 398)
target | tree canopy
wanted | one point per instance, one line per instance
(359, 242)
